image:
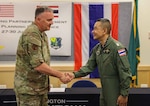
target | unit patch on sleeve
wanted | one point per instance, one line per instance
(122, 52)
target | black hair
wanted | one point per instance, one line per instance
(105, 24)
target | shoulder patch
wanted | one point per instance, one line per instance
(122, 52)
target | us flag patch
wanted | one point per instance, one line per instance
(122, 52)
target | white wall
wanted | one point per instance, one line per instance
(144, 24)
(73, 0)
(144, 30)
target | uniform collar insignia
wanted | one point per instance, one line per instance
(107, 51)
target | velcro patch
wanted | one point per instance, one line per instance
(122, 52)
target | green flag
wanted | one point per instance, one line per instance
(134, 44)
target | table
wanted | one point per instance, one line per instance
(80, 97)
(71, 97)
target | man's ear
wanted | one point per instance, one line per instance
(105, 30)
(38, 18)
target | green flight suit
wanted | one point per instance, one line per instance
(114, 70)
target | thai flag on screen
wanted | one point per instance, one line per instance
(6, 10)
(55, 10)
(85, 15)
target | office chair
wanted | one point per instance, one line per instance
(83, 83)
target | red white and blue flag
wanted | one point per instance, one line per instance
(85, 15)
(55, 10)
(6, 10)
(122, 52)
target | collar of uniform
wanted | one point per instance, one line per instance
(108, 41)
(41, 33)
(102, 47)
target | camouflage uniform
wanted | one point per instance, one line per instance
(33, 49)
(114, 69)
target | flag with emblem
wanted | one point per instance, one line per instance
(134, 44)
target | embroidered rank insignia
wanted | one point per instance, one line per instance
(107, 51)
(122, 52)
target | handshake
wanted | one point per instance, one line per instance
(67, 77)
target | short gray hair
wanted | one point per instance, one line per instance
(41, 9)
